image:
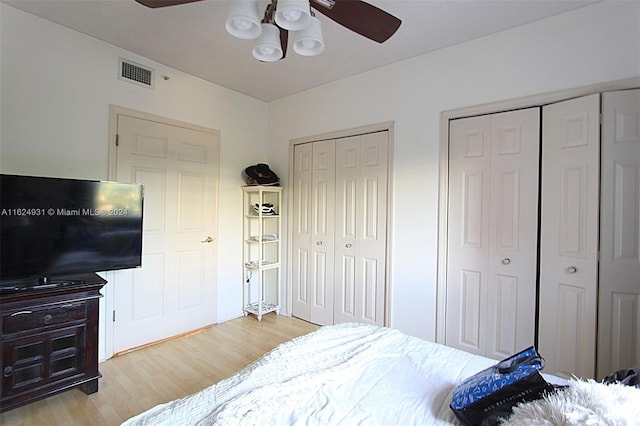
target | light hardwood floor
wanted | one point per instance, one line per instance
(139, 380)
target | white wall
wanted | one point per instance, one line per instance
(56, 87)
(592, 45)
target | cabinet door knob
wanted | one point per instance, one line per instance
(348, 245)
(572, 269)
(7, 372)
(506, 261)
(318, 243)
(47, 319)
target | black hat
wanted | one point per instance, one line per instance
(262, 175)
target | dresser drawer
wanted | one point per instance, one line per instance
(43, 317)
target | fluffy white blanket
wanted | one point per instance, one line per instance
(582, 403)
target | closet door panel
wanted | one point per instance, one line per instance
(301, 273)
(372, 292)
(346, 296)
(469, 318)
(473, 206)
(507, 183)
(513, 231)
(373, 239)
(313, 228)
(506, 316)
(492, 236)
(619, 293)
(569, 236)
(321, 294)
(468, 247)
(573, 311)
(321, 288)
(348, 230)
(360, 248)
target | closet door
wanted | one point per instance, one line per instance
(313, 233)
(360, 237)
(569, 236)
(513, 232)
(619, 292)
(468, 236)
(492, 237)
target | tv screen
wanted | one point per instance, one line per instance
(50, 227)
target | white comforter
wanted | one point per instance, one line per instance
(347, 374)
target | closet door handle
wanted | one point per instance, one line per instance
(506, 261)
(318, 243)
(348, 245)
(572, 270)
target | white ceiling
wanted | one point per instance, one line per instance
(192, 38)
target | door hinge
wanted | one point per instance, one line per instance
(113, 317)
(117, 140)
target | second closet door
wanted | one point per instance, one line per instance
(569, 236)
(619, 268)
(339, 229)
(492, 236)
(360, 237)
(313, 231)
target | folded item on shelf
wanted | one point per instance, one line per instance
(265, 208)
(265, 237)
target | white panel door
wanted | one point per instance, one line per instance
(468, 234)
(569, 236)
(619, 292)
(301, 231)
(492, 236)
(513, 232)
(360, 228)
(174, 290)
(313, 253)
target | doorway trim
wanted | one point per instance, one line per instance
(443, 186)
(339, 134)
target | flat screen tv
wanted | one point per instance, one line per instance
(52, 227)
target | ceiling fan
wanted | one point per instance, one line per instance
(281, 16)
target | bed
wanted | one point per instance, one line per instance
(346, 374)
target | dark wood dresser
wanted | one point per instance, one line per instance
(49, 338)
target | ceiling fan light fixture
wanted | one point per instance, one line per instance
(293, 15)
(243, 20)
(267, 47)
(308, 41)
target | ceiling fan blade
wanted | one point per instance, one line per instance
(360, 17)
(284, 40)
(163, 3)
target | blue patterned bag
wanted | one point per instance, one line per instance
(488, 396)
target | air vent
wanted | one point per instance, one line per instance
(136, 73)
